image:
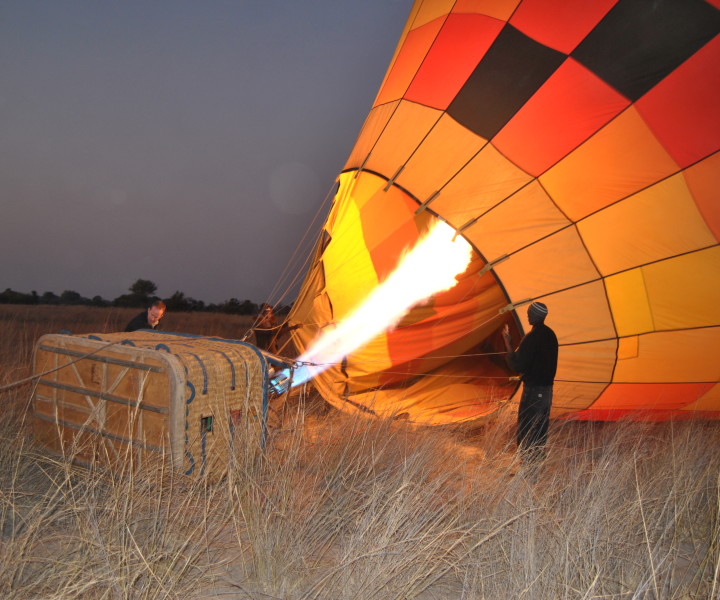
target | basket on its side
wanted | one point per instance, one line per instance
(107, 399)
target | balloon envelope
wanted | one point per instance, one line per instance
(575, 146)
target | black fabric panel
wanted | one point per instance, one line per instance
(511, 71)
(639, 42)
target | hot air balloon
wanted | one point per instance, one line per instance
(574, 145)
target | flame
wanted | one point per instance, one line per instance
(430, 267)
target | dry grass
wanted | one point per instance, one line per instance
(347, 508)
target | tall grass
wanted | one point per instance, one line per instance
(342, 508)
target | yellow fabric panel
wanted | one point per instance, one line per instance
(370, 132)
(616, 162)
(685, 291)
(430, 10)
(501, 230)
(708, 401)
(405, 131)
(485, 181)
(554, 263)
(591, 362)
(569, 310)
(673, 356)
(436, 160)
(676, 293)
(653, 224)
(348, 266)
(704, 182)
(500, 9)
(572, 396)
(629, 302)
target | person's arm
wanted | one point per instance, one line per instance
(518, 360)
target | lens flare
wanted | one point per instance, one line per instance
(430, 267)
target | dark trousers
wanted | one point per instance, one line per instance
(534, 419)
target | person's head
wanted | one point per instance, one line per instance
(537, 312)
(155, 312)
(267, 309)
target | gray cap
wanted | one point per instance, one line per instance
(537, 311)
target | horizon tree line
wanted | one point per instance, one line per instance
(141, 293)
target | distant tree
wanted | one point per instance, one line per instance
(49, 298)
(99, 301)
(177, 302)
(143, 287)
(141, 294)
(12, 297)
(235, 307)
(71, 297)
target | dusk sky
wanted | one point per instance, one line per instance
(185, 142)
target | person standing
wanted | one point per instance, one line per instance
(147, 319)
(266, 329)
(536, 359)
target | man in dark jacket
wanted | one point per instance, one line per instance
(147, 319)
(536, 358)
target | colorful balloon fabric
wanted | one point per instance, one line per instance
(574, 144)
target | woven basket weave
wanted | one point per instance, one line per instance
(198, 403)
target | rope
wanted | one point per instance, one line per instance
(39, 375)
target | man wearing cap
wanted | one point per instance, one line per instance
(536, 358)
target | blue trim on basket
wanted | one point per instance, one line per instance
(232, 368)
(204, 372)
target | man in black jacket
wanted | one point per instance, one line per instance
(536, 358)
(147, 319)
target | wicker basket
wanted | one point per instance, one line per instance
(124, 399)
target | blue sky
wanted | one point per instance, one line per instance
(189, 143)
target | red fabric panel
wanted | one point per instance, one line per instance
(682, 110)
(650, 396)
(640, 415)
(560, 24)
(461, 44)
(572, 105)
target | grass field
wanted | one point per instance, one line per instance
(342, 508)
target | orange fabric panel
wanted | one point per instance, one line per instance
(568, 313)
(436, 158)
(485, 181)
(664, 396)
(591, 362)
(430, 11)
(404, 132)
(655, 223)
(682, 109)
(501, 231)
(616, 162)
(460, 45)
(560, 24)
(673, 356)
(704, 182)
(563, 113)
(371, 130)
(408, 61)
(499, 9)
(569, 397)
(390, 229)
(561, 259)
